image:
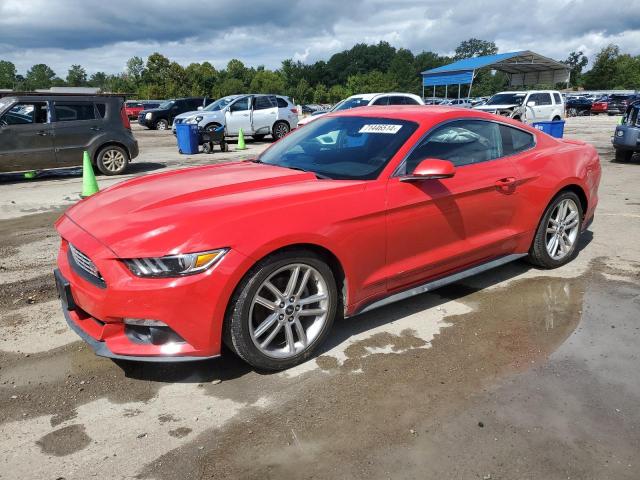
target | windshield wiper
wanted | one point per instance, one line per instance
(318, 175)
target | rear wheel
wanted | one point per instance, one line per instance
(556, 119)
(556, 239)
(282, 310)
(112, 160)
(279, 130)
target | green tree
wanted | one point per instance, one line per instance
(39, 76)
(237, 70)
(98, 79)
(201, 78)
(7, 74)
(302, 93)
(576, 61)
(403, 72)
(77, 76)
(135, 69)
(229, 86)
(475, 47)
(371, 82)
(603, 71)
(320, 94)
(266, 81)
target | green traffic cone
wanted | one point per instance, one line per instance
(30, 175)
(241, 145)
(89, 182)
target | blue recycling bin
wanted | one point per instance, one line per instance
(187, 135)
(555, 129)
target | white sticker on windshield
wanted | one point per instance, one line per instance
(380, 128)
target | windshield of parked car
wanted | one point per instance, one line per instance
(506, 99)
(167, 104)
(220, 104)
(4, 104)
(350, 103)
(341, 148)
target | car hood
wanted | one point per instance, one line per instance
(203, 113)
(193, 209)
(154, 110)
(496, 107)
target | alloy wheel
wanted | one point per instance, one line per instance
(562, 229)
(280, 130)
(289, 310)
(113, 160)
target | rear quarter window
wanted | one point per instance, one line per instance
(515, 140)
(70, 112)
(557, 98)
(102, 109)
(282, 103)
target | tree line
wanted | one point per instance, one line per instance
(360, 69)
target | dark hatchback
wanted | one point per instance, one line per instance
(626, 138)
(618, 103)
(161, 118)
(46, 131)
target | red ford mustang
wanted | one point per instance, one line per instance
(354, 211)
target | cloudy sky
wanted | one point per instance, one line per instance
(102, 35)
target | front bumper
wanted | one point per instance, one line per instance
(626, 138)
(193, 307)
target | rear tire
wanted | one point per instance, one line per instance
(556, 239)
(279, 130)
(265, 324)
(112, 160)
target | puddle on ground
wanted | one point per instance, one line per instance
(374, 400)
(64, 441)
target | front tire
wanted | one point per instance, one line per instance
(556, 239)
(161, 124)
(623, 156)
(282, 310)
(112, 160)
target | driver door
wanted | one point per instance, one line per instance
(26, 138)
(435, 227)
(238, 116)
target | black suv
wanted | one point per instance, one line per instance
(626, 139)
(618, 103)
(43, 131)
(162, 117)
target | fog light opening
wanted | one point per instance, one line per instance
(155, 334)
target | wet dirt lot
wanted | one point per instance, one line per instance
(517, 373)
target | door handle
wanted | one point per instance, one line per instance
(506, 184)
(42, 133)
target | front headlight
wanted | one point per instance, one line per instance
(194, 119)
(174, 265)
(148, 116)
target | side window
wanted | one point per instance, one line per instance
(25, 114)
(71, 112)
(396, 100)
(381, 101)
(102, 109)
(410, 101)
(515, 140)
(544, 99)
(240, 105)
(462, 142)
(557, 98)
(262, 102)
(282, 103)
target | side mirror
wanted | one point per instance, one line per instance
(200, 107)
(531, 104)
(431, 169)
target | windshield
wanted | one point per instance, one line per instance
(4, 103)
(341, 148)
(220, 104)
(350, 103)
(167, 104)
(506, 99)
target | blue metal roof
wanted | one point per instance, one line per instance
(448, 78)
(473, 63)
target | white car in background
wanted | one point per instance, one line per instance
(257, 115)
(458, 102)
(527, 106)
(366, 100)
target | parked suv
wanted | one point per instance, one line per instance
(257, 115)
(618, 103)
(162, 117)
(39, 131)
(526, 106)
(368, 99)
(626, 139)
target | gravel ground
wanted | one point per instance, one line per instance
(518, 373)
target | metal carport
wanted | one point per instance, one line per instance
(522, 68)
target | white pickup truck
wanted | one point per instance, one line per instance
(527, 106)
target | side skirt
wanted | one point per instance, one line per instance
(442, 281)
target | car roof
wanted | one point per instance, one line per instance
(371, 96)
